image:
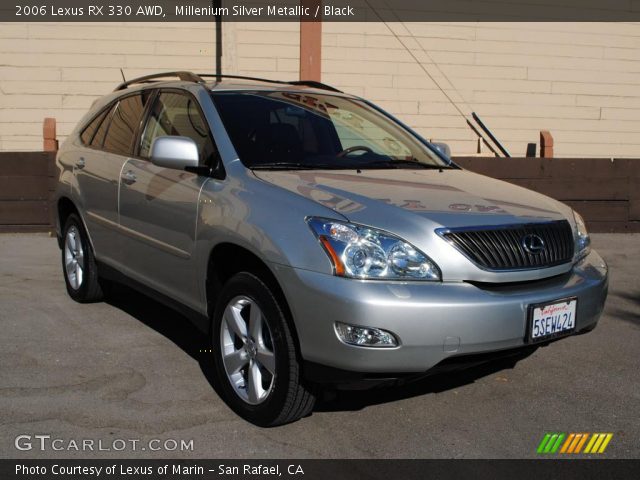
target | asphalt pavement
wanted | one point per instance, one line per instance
(130, 374)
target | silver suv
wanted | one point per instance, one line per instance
(314, 237)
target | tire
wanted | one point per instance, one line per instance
(248, 326)
(78, 263)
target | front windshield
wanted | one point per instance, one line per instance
(308, 130)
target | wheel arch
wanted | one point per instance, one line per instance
(227, 259)
(65, 207)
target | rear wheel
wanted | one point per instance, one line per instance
(255, 355)
(78, 263)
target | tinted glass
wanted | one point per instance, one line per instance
(124, 122)
(98, 138)
(308, 130)
(92, 128)
(175, 114)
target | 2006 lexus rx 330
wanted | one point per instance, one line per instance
(314, 237)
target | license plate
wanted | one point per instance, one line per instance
(549, 320)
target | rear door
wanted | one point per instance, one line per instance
(98, 172)
(97, 176)
(159, 206)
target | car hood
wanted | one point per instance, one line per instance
(449, 198)
(414, 203)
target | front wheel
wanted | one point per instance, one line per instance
(255, 355)
(78, 264)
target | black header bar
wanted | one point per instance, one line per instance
(325, 10)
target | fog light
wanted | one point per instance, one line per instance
(365, 336)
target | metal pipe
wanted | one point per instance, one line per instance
(486, 130)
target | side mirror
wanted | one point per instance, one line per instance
(443, 148)
(174, 152)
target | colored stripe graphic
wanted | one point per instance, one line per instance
(605, 443)
(593, 439)
(544, 442)
(581, 443)
(551, 442)
(598, 442)
(567, 442)
(573, 443)
(555, 447)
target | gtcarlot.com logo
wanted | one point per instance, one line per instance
(47, 442)
(573, 443)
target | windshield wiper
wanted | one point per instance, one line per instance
(403, 163)
(298, 166)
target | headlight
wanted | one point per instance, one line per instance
(583, 241)
(362, 252)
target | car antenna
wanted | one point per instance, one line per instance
(122, 73)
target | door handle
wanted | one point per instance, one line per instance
(129, 178)
(80, 163)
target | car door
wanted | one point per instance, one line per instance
(159, 206)
(97, 175)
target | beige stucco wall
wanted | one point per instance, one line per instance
(580, 80)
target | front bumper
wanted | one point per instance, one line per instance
(433, 321)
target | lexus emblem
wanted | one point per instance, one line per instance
(533, 244)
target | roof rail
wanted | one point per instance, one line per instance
(314, 84)
(306, 83)
(198, 78)
(182, 75)
(238, 77)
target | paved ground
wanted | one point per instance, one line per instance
(131, 370)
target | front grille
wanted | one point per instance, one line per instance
(509, 247)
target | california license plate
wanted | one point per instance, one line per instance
(549, 320)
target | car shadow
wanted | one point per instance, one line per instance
(352, 400)
(183, 333)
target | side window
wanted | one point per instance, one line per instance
(101, 133)
(175, 114)
(91, 129)
(124, 123)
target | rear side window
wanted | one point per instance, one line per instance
(91, 129)
(124, 122)
(98, 138)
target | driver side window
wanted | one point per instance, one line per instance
(176, 114)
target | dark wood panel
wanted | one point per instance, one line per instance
(606, 192)
(498, 167)
(601, 210)
(24, 188)
(25, 229)
(26, 163)
(571, 188)
(634, 199)
(25, 212)
(594, 168)
(614, 227)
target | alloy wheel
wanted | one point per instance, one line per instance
(247, 350)
(73, 258)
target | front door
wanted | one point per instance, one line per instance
(159, 206)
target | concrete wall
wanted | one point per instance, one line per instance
(579, 80)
